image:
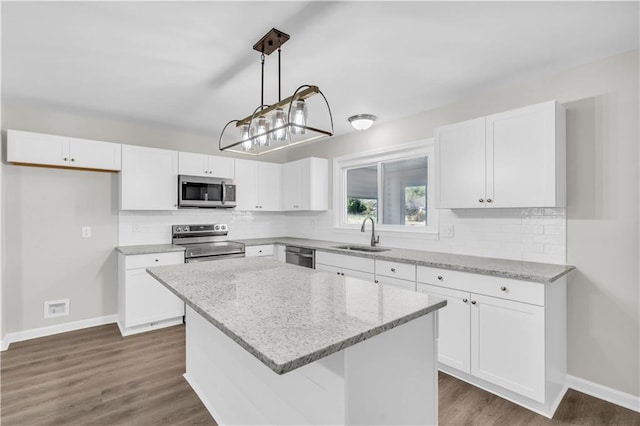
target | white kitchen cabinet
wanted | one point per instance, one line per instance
(512, 159)
(454, 331)
(149, 179)
(348, 266)
(62, 151)
(258, 186)
(279, 253)
(507, 345)
(193, 164)
(259, 251)
(396, 274)
(306, 185)
(143, 303)
(507, 336)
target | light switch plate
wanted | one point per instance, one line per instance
(86, 232)
(446, 231)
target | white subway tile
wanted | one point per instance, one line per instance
(532, 229)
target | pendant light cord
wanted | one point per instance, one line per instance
(262, 82)
(279, 79)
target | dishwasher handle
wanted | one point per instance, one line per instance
(297, 253)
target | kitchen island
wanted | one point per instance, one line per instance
(272, 343)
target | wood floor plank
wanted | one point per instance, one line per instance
(96, 377)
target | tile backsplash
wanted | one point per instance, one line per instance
(533, 234)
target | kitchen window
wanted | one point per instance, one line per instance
(393, 186)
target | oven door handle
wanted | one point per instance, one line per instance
(224, 192)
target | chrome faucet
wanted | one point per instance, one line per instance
(374, 240)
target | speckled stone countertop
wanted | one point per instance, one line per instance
(527, 271)
(288, 316)
(148, 248)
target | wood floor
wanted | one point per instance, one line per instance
(96, 377)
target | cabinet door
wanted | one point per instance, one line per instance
(507, 345)
(460, 165)
(147, 300)
(94, 154)
(454, 327)
(291, 185)
(521, 157)
(149, 179)
(269, 186)
(37, 148)
(246, 176)
(193, 164)
(221, 167)
(318, 184)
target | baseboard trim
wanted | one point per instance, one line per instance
(34, 333)
(605, 393)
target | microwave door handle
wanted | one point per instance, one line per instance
(224, 192)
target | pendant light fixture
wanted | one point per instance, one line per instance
(283, 124)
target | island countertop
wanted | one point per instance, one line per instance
(288, 316)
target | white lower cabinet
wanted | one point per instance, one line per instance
(143, 303)
(505, 335)
(256, 251)
(395, 274)
(348, 266)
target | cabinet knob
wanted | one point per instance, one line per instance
(489, 200)
(503, 288)
(481, 200)
(73, 159)
(156, 260)
(440, 278)
(465, 300)
(393, 269)
(376, 281)
(338, 273)
(473, 302)
(342, 274)
(65, 159)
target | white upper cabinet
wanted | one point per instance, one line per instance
(52, 150)
(306, 184)
(193, 164)
(512, 159)
(149, 179)
(258, 186)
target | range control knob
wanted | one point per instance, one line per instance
(178, 229)
(216, 228)
(223, 227)
(186, 229)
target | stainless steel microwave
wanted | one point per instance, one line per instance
(206, 192)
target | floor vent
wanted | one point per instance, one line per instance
(56, 308)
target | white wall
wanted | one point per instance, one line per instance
(602, 214)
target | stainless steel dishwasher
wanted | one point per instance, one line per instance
(301, 256)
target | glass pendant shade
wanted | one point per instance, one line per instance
(260, 131)
(244, 136)
(278, 125)
(299, 117)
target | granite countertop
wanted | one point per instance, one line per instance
(148, 248)
(520, 270)
(288, 316)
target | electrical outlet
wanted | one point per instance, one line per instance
(86, 232)
(446, 231)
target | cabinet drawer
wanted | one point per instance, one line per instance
(154, 259)
(265, 250)
(403, 271)
(395, 282)
(343, 261)
(504, 288)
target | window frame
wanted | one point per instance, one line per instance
(424, 147)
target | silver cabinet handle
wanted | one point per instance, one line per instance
(481, 200)
(489, 200)
(465, 300)
(503, 288)
(440, 278)
(473, 302)
(224, 192)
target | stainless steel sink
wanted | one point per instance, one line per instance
(361, 248)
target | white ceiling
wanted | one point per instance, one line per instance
(190, 65)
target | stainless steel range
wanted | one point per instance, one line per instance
(203, 243)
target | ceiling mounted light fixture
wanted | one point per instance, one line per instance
(362, 121)
(285, 123)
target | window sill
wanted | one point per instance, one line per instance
(410, 233)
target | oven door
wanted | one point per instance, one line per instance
(197, 191)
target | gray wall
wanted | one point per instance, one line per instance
(603, 202)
